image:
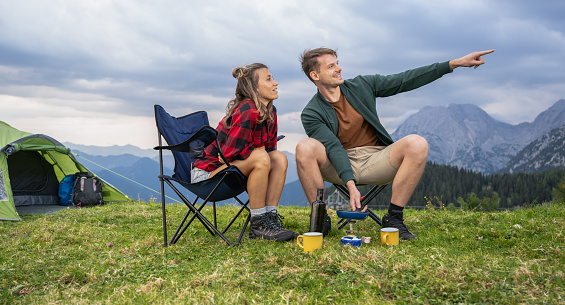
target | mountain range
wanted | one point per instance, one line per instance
(545, 153)
(136, 175)
(466, 136)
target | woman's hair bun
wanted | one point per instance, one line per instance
(239, 72)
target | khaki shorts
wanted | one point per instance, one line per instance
(370, 164)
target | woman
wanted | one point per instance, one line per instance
(248, 139)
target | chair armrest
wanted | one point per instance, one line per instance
(221, 156)
(194, 145)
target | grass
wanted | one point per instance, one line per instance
(114, 254)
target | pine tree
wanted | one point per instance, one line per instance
(559, 191)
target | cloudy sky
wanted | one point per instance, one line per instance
(89, 72)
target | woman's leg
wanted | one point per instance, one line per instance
(266, 173)
(257, 168)
(277, 177)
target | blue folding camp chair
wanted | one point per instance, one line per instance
(187, 137)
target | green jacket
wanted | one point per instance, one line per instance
(320, 120)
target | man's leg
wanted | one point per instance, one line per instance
(409, 155)
(310, 158)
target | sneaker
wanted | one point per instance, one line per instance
(266, 227)
(327, 224)
(395, 221)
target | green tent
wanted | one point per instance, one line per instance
(31, 167)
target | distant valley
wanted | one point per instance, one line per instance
(135, 172)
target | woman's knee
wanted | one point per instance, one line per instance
(278, 160)
(260, 159)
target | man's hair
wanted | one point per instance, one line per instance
(309, 60)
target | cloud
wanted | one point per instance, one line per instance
(290, 141)
(109, 62)
(76, 123)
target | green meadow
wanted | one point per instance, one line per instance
(114, 254)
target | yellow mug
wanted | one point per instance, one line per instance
(389, 236)
(310, 241)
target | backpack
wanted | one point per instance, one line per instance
(87, 190)
(66, 190)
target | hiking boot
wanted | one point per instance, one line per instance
(277, 220)
(266, 227)
(396, 221)
(327, 224)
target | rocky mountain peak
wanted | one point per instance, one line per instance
(466, 136)
(546, 152)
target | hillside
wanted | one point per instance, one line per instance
(114, 254)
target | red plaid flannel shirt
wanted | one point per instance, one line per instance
(245, 134)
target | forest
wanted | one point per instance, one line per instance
(442, 185)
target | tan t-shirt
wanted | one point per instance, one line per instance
(354, 131)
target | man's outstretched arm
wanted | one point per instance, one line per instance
(474, 59)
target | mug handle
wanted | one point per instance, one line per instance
(298, 242)
(386, 239)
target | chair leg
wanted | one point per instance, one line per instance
(244, 227)
(244, 207)
(194, 216)
(199, 215)
(179, 232)
(375, 217)
(164, 213)
(215, 218)
(373, 192)
(212, 228)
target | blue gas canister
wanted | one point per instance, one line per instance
(351, 240)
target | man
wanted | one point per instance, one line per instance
(347, 144)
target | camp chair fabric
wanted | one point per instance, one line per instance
(187, 137)
(371, 194)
